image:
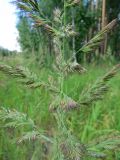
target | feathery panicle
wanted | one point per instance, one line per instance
(39, 21)
(66, 144)
(99, 147)
(96, 41)
(88, 96)
(34, 12)
(98, 89)
(22, 4)
(24, 76)
(13, 118)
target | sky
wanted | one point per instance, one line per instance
(8, 31)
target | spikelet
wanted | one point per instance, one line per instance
(72, 3)
(33, 136)
(65, 104)
(69, 32)
(24, 7)
(74, 67)
(38, 20)
(57, 15)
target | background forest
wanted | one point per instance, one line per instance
(58, 97)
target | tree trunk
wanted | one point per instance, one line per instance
(103, 13)
(104, 23)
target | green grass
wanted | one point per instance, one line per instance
(87, 123)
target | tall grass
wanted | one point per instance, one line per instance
(53, 112)
(86, 124)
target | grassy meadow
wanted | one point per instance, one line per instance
(86, 124)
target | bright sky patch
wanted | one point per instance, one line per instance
(8, 31)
